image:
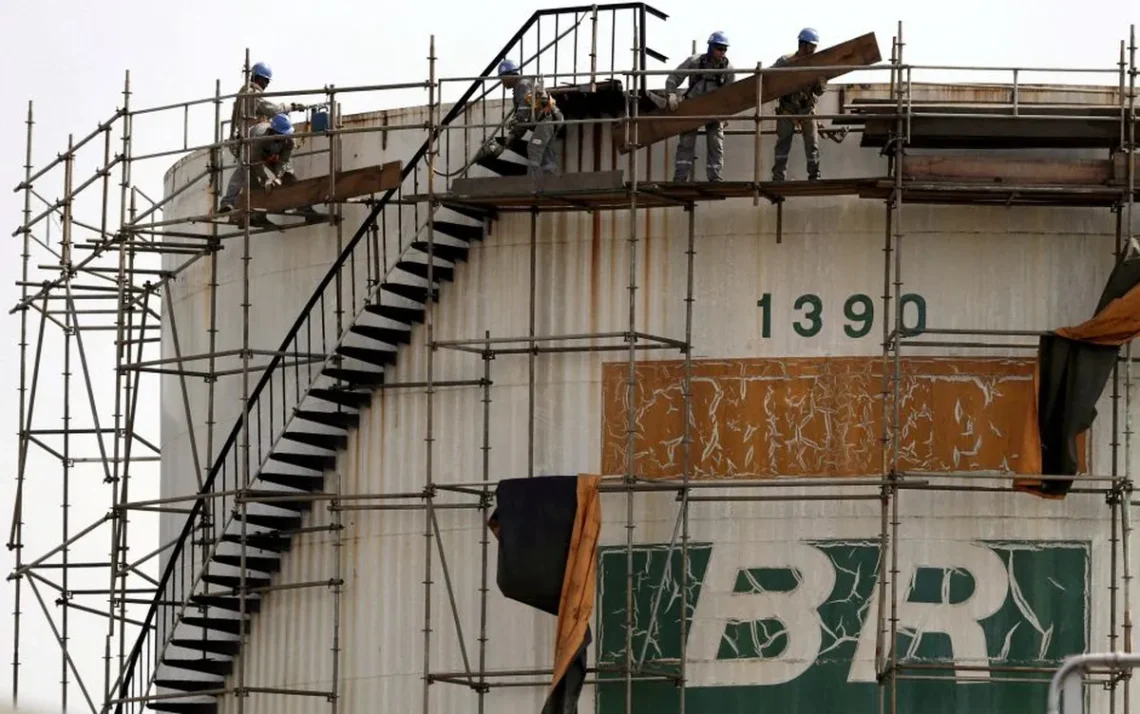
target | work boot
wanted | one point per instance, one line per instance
(813, 172)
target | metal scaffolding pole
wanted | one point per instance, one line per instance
(1126, 511)
(240, 692)
(631, 128)
(429, 348)
(16, 542)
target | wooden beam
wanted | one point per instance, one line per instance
(741, 95)
(995, 133)
(517, 185)
(308, 192)
(974, 168)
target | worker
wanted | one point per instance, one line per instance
(799, 102)
(271, 151)
(714, 58)
(536, 110)
(250, 109)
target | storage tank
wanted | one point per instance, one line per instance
(787, 375)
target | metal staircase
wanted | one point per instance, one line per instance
(328, 366)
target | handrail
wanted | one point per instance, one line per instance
(125, 677)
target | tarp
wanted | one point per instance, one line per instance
(1073, 366)
(548, 529)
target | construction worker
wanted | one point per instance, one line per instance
(250, 109)
(800, 102)
(714, 58)
(536, 110)
(271, 151)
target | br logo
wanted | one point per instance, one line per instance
(796, 622)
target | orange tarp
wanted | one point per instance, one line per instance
(1117, 323)
(579, 584)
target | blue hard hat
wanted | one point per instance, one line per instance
(718, 38)
(261, 70)
(280, 123)
(508, 66)
(809, 35)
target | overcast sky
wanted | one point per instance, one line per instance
(70, 57)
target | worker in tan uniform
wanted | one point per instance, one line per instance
(800, 102)
(250, 109)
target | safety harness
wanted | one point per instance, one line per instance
(707, 62)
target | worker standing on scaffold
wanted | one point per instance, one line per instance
(715, 58)
(799, 102)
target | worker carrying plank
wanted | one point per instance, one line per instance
(536, 110)
(715, 58)
(802, 101)
(270, 152)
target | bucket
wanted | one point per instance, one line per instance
(319, 121)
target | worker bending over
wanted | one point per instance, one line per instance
(251, 109)
(270, 151)
(714, 58)
(800, 102)
(536, 110)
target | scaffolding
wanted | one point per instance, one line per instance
(66, 289)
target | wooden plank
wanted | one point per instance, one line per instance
(515, 185)
(741, 95)
(995, 133)
(975, 168)
(349, 184)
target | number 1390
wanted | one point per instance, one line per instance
(858, 311)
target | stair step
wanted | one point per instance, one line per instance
(503, 167)
(418, 293)
(338, 420)
(367, 354)
(451, 253)
(223, 602)
(218, 667)
(277, 523)
(462, 231)
(184, 707)
(233, 581)
(273, 498)
(274, 544)
(383, 334)
(343, 397)
(259, 563)
(407, 315)
(517, 146)
(189, 685)
(332, 442)
(229, 625)
(471, 212)
(300, 482)
(420, 270)
(219, 647)
(313, 462)
(356, 377)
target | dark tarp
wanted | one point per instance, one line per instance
(548, 529)
(1073, 366)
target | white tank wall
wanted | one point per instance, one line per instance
(977, 268)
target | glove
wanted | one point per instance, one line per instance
(297, 107)
(672, 101)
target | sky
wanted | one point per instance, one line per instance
(69, 57)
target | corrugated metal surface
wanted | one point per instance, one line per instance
(975, 268)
